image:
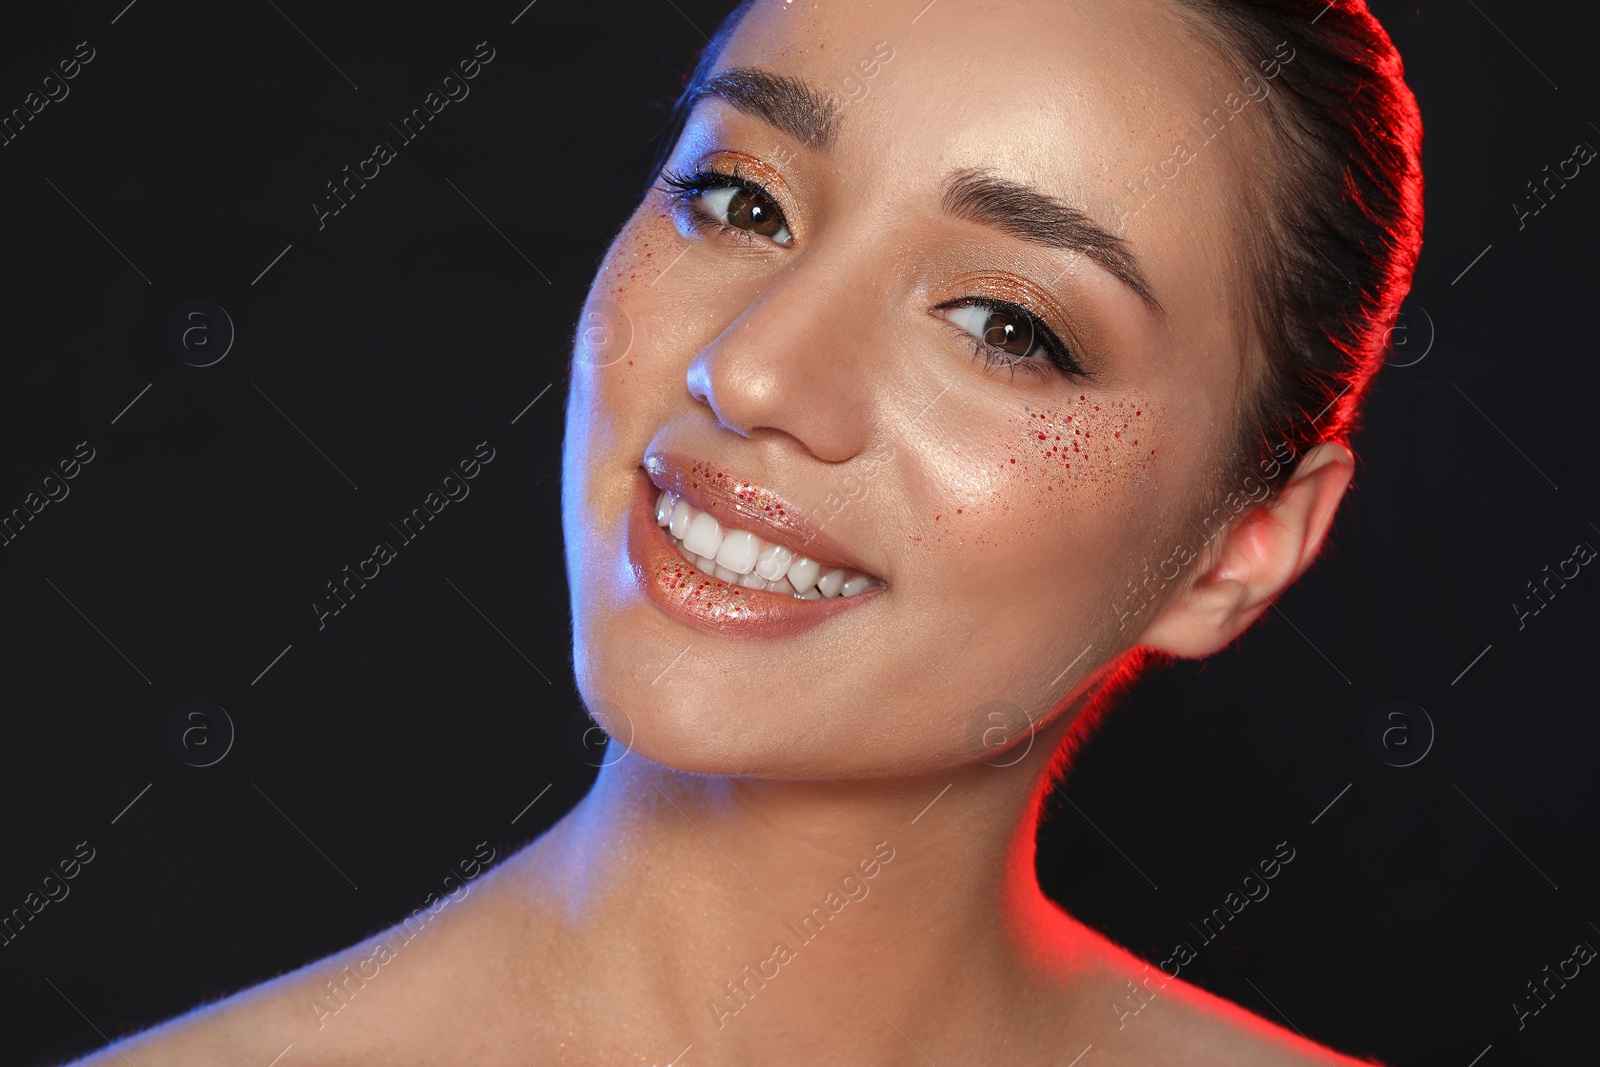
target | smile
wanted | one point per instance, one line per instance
(742, 558)
(733, 558)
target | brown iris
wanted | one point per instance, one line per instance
(1008, 332)
(756, 212)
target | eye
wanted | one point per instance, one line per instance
(1007, 335)
(730, 201)
(754, 211)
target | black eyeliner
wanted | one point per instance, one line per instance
(1059, 353)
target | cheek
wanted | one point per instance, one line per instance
(1038, 517)
(1087, 458)
(639, 255)
(1092, 452)
(610, 338)
(610, 405)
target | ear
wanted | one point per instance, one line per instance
(1255, 559)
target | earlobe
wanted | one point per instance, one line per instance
(1255, 559)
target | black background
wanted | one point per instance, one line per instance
(431, 711)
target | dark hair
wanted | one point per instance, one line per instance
(1342, 220)
(667, 138)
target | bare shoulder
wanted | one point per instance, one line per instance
(1134, 1012)
(386, 999)
(1207, 1029)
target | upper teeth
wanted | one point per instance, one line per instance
(739, 557)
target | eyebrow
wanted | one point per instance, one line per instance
(1024, 212)
(786, 103)
(973, 194)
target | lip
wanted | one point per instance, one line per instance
(732, 501)
(683, 591)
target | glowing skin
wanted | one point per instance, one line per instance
(788, 364)
(1011, 515)
(832, 374)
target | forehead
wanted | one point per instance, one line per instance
(1116, 107)
(1119, 77)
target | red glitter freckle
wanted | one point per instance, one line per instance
(1013, 461)
(936, 518)
(958, 511)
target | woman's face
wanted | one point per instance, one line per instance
(959, 317)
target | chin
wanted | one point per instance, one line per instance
(699, 722)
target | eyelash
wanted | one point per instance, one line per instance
(685, 189)
(993, 356)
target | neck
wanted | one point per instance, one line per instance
(723, 899)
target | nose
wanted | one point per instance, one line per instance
(803, 358)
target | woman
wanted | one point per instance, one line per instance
(973, 358)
